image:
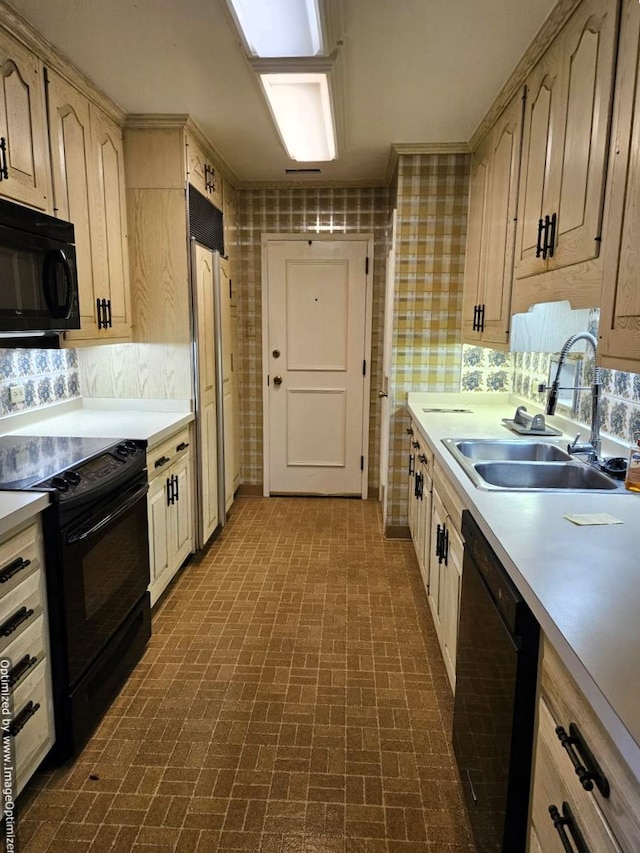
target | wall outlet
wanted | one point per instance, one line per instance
(17, 393)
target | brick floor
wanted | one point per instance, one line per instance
(292, 700)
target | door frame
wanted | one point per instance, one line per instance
(368, 326)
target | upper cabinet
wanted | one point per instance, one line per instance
(564, 160)
(202, 173)
(620, 314)
(24, 166)
(491, 231)
(88, 182)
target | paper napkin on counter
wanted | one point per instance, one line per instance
(593, 518)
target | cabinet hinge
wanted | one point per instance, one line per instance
(366, 267)
(362, 463)
(364, 367)
(230, 290)
(598, 239)
(268, 377)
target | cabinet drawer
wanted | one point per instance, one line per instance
(33, 715)
(452, 503)
(19, 558)
(557, 785)
(20, 608)
(160, 457)
(568, 705)
(26, 651)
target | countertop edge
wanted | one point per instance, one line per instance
(18, 507)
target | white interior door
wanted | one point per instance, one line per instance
(387, 347)
(315, 351)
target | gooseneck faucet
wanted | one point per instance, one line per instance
(592, 447)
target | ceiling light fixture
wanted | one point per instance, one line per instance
(279, 27)
(301, 107)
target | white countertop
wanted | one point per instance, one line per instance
(582, 583)
(16, 507)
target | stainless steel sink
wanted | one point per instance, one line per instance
(499, 450)
(544, 475)
(507, 465)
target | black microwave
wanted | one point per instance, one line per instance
(38, 276)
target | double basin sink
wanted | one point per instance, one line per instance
(503, 464)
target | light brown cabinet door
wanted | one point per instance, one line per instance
(202, 174)
(620, 314)
(23, 127)
(70, 132)
(476, 241)
(108, 214)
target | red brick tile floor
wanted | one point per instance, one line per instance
(292, 699)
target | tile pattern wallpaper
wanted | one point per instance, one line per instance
(49, 376)
(432, 199)
(297, 210)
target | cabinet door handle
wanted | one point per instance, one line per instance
(176, 487)
(13, 622)
(108, 323)
(24, 665)
(476, 322)
(162, 461)
(566, 821)
(445, 546)
(409, 431)
(169, 491)
(545, 241)
(13, 568)
(590, 771)
(4, 169)
(438, 551)
(182, 446)
(23, 718)
(550, 244)
(481, 318)
(411, 464)
(99, 313)
(539, 240)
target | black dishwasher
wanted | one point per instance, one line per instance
(496, 671)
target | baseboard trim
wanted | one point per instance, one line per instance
(250, 490)
(399, 532)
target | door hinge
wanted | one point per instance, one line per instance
(268, 377)
(364, 367)
(366, 267)
(362, 463)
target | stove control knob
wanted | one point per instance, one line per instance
(60, 484)
(72, 477)
(131, 446)
(122, 449)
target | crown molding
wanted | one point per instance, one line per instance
(21, 29)
(556, 19)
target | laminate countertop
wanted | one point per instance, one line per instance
(581, 582)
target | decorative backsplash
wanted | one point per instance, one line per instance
(48, 376)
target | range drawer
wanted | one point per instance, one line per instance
(162, 456)
(557, 786)
(568, 705)
(25, 651)
(20, 608)
(19, 558)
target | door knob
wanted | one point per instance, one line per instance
(382, 394)
(276, 353)
(277, 380)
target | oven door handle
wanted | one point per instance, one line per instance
(84, 533)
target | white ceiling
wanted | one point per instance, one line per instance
(416, 71)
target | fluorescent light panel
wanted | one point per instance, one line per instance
(278, 28)
(301, 107)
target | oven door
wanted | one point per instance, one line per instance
(105, 573)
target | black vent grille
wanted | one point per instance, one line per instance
(205, 221)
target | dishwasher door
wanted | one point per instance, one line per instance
(494, 708)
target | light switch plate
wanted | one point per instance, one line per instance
(17, 393)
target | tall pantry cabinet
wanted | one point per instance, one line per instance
(166, 310)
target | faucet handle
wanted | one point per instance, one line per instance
(574, 442)
(542, 387)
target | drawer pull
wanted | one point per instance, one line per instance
(23, 718)
(23, 665)
(13, 622)
(566, 821)
(182, 446)
(162, 461)
(590, 771)
(13, 568)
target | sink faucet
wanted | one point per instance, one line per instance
(592, 447)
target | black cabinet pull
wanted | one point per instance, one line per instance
(23, 665)
(99, 312)
(481, 318)
(566, 821)
(416, 444)
(4, 169)
(551, 237)
(182, 446)
(422, 458)
(13, 568)
(13, 622)
(474, 327)
(409, 431)
(162, 461)
(411, 463)
(590, 771)
(177, 487)
(539, 240)
(545, 242)
(23, 718)
(109, 324)
(439, 532)
(445, 546)
(104, 313)
(169, 491)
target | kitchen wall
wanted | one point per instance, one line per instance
(296, 210)
(142, 371)
(48, 376)
(432, 200)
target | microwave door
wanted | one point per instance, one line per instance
(57, 284)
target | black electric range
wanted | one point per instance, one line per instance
(96, 565)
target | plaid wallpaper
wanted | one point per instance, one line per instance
(432, 200)
(297, 210)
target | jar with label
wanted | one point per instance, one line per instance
(632, 480)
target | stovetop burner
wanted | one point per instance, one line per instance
(27, 460)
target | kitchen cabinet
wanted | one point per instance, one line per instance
(24, 156)
(229, 380)
(420, 467)
(599, 801)
(170, 508)
(88, 188)
(564, 160)
(491, 230)
(202, 173)
(620, 313)
(24, 641)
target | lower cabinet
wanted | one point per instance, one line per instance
(420, 467)
(24, 654)
(170, 504)
(594, 806)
